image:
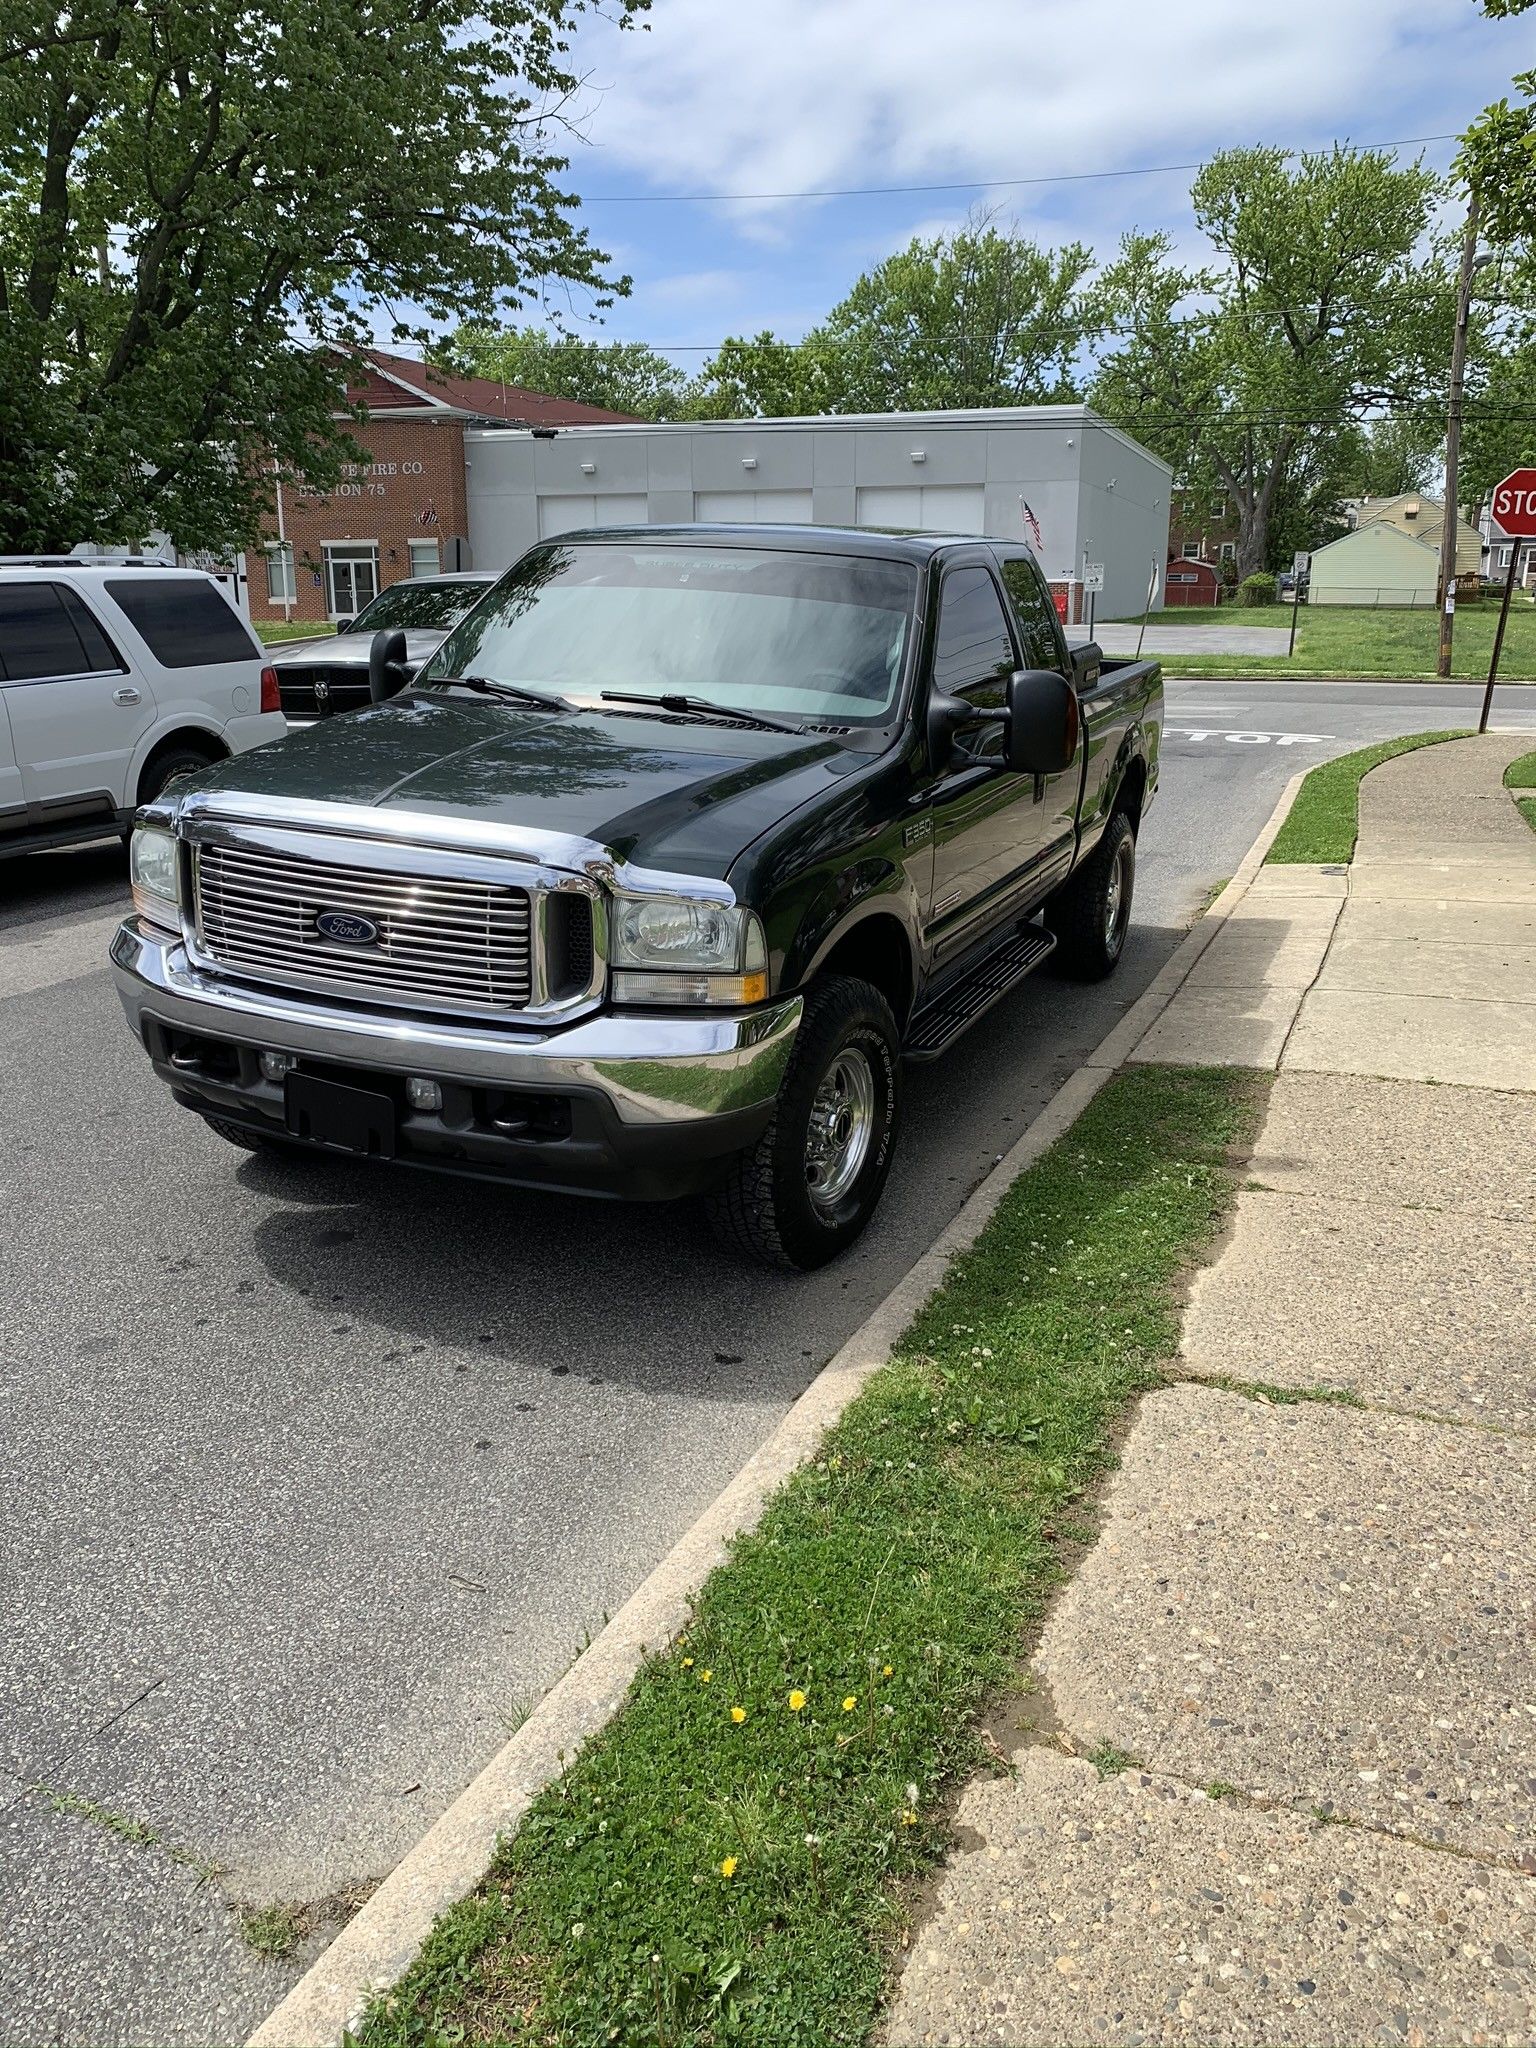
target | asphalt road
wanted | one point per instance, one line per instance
(315, 1478)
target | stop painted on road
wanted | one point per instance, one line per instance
(1246, 739)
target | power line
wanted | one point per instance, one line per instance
(962, 185)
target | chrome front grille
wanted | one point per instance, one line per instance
(441, 941)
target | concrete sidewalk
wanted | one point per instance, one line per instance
(1310, 1623)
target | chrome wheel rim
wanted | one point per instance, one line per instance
(842, 1128)
(1118, 898)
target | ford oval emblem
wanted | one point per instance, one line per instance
(346, 927)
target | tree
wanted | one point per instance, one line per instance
(1386, 456)
(976, 318)
(1327, 302)
(206, 206)
(625, 376)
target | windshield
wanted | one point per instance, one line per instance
(810, 637)
(412, 605)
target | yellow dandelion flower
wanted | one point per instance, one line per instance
(908, 1818)
(796, 1701)
(738, 1715)
(850, 1703)
(728, 1867)
(885, 1671)
(705, 1677)
(687, 1663)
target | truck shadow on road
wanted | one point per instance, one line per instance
(641, 1295)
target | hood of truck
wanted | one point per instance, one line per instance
(656, 791)
(351, 650)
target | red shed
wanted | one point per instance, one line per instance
(1189, 581)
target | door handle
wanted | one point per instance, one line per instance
(125, 694)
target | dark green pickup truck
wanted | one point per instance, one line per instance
(652, 878)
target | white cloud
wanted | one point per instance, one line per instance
(779, 95)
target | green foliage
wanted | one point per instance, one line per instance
(694, 1878)
(1386, 456)
(273, 1931)
(1257, 589)
(188, 191)
(624, 376)
(1521, 773)
(978, 318)
(1324, 821)
(1326, 301)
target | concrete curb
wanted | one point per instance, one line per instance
(377, 1946)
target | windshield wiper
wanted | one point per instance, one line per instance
(516, 693)
(701, 707)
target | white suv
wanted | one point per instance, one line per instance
(114, 677)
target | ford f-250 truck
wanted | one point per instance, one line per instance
(651, 879)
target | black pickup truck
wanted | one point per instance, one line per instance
(654, 875)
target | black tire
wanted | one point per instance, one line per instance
(1092, 914)
(770, 1207)
(186, 760)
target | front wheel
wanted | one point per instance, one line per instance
(812, 1181)
(1092, 914)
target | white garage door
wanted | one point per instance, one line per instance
(790, 508)
(939, 508)
(567, 512)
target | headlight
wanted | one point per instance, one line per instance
(152, 867)
(668, 950)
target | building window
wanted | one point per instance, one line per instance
(281, 587)
(1229, 551)
(426, 558)
(351, 577)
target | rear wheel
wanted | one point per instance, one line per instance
(1092, 914)
(812, 1181)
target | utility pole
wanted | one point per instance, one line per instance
(1453, 438)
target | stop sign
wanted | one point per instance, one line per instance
(1514, 504)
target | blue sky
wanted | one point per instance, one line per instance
(783, 95)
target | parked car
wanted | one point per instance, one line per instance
(114, 678)
(318, 678)
(654, 876)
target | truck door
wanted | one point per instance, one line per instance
(13, 802)
(1042, 644)
(75, 712)
(988, 829)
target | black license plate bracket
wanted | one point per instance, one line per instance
(340, 1117)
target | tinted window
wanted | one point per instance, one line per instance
(802, 635)
(37, 638)
(973, 646)
(1033, 614)
(419, 605)
(99, 652)
(183, 620)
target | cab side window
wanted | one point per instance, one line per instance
(973, 650)
(45, 631)
(1033, 614)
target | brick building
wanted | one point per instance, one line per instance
(404, 512)
(1203, 526)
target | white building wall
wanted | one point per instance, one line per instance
(1056, 476)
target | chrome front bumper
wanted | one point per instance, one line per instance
(656, 1071)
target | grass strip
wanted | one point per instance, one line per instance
(1526, 806)
(1521, 774)
(724, 1864)
(1324, 821)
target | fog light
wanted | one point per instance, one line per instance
(275, 1064)
(422, 1094)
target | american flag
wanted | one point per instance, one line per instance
(1032, 523)
(427, 516)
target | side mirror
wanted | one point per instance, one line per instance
(344, 625)
(388, 672)
(1042, 722)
